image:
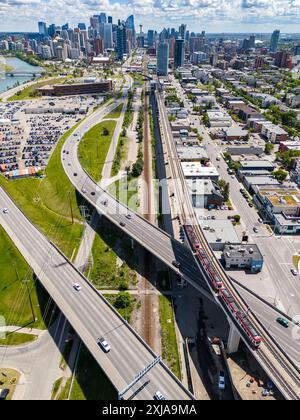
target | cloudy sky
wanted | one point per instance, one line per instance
(209, 15)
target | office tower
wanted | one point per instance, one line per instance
(98, 45)
(179, 53)
(110, 19)
(121, 41)
(65, 27)
(102, 18)
(163, 35)
(130, 22)
(94, 21)
(171, 47)
(252, 41)
(182, 31)
(82, 26)
(51, 30)
(246, 44)
(162, 58)
(274, 40)
(42, 28)
(107, 35)
(150, 38)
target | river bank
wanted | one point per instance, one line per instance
(17, 65)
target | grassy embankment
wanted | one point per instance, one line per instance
(18, 291)
(113, 259)
(29, 92)
(116, 113)
(168, 335)
(16, 339)
(94, 147)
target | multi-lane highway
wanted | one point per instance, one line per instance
(87, 311)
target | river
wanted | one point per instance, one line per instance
(18, 65)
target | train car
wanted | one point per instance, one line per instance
(245, 324)
(203, 259)
(194, 241)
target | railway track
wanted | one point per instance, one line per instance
(187, 216)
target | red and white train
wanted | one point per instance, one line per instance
(224, 296)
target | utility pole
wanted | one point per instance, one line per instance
(25, 281)
(71, 208)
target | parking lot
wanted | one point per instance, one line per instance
(29, 130)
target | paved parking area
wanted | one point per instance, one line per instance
(29, 130)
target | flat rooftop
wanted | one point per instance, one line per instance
(219, 231)
(246, 164)
(195, 169)
(242, 250)
(192, 153)
(282, 196)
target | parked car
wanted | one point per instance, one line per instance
(123, 224)
(77, 286)
(255, 229)
(294, 272)
(5, 210)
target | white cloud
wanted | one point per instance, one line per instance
(213, 15)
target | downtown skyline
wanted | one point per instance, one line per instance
(238, 16)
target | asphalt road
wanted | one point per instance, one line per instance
(158, 242)
(88, 312)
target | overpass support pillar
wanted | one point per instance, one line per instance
(233, 338)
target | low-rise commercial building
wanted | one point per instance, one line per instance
(218, 233)
(88, 88)
(204, 193)
(281, 207)
(195, 170)
(218, 118)
(243, 256)
(193, 154)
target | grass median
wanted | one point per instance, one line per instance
(116, 113)
(94, 147)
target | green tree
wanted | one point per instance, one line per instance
(280, 175)
(123, 300)
(269, 148)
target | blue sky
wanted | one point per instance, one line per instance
(209, 15)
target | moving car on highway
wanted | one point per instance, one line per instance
(103, 344)
(282, 321)
(158, 396)
(77, 286)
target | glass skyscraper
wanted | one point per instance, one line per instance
(179, 53)
(162, 58)
(274, 41)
